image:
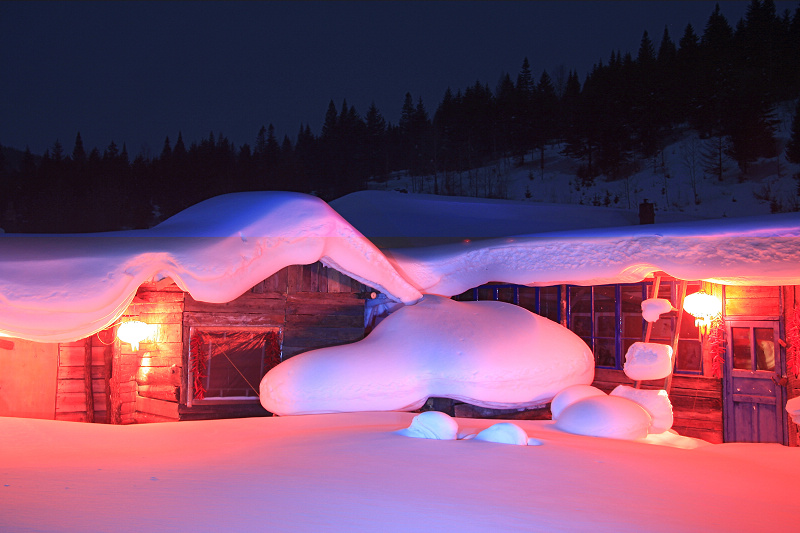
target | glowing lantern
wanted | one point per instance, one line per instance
(703, 307)
(135, 331)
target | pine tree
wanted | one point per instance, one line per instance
(687, 74)
(546, 113)
(377, 157)
(716, 78)
(793, 147)
(505, 100)
(78, 153)
(166, 152)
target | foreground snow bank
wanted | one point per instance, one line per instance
(352, 472)
(490, 354)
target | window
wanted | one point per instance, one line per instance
(607, 317)
(540, 300)
(594, 317)
(753, 348)
(227, 364)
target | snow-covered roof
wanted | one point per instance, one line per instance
(64, 287)
(392, 219)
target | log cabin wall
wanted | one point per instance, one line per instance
(84, 369)
(313, 306)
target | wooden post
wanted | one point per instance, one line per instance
(676, 335)
(656, 287)
(108, 364)
(87, 378)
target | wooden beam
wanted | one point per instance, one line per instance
(676, 334)
(649, 330)
(157, 407)
(108, 365)
(87, 378)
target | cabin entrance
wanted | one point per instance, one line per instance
(753, 393)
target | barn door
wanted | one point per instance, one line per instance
(754, 397)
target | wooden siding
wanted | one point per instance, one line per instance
(312, 305)
(752, 301)
(696, 401)
(84, 366)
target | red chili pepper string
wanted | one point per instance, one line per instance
(199, 361)
(716, 346)
(272, 350)
(793, 343)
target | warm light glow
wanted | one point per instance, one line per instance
(703, 307)
(135, 331)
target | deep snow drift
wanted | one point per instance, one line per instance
(353, 472)
(490, 354)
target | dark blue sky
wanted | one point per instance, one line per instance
(135, 72)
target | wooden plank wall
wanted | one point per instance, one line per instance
(696, 401)
(319, 320)
(752, 301)
(83, 364)
(313, 305)
(158, 364)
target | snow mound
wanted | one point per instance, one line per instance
(653, 308)
(793, 408)
(489, 354)
(655, 402)
(507, 433)
(67, 287)
(648, 360)
(605, 416)
(570, 395)
(432, 425)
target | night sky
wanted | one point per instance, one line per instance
(135, 72)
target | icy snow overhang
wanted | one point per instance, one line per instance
(56, 288)
(733, 251)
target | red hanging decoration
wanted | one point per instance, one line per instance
(716, 346)
(199, 365)
(272, 350)
(793, 343)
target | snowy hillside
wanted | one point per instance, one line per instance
(670, 181)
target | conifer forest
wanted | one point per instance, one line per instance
(724, 81)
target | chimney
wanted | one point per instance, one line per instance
(647, 212)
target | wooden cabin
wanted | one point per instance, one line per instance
(102, 379)
(730, 383)
(206, 360)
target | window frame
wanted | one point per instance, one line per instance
(565, 315)
(191, 401)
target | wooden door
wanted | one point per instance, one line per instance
(754, 397)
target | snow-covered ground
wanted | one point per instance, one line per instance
(669, 181)
(353, 472)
